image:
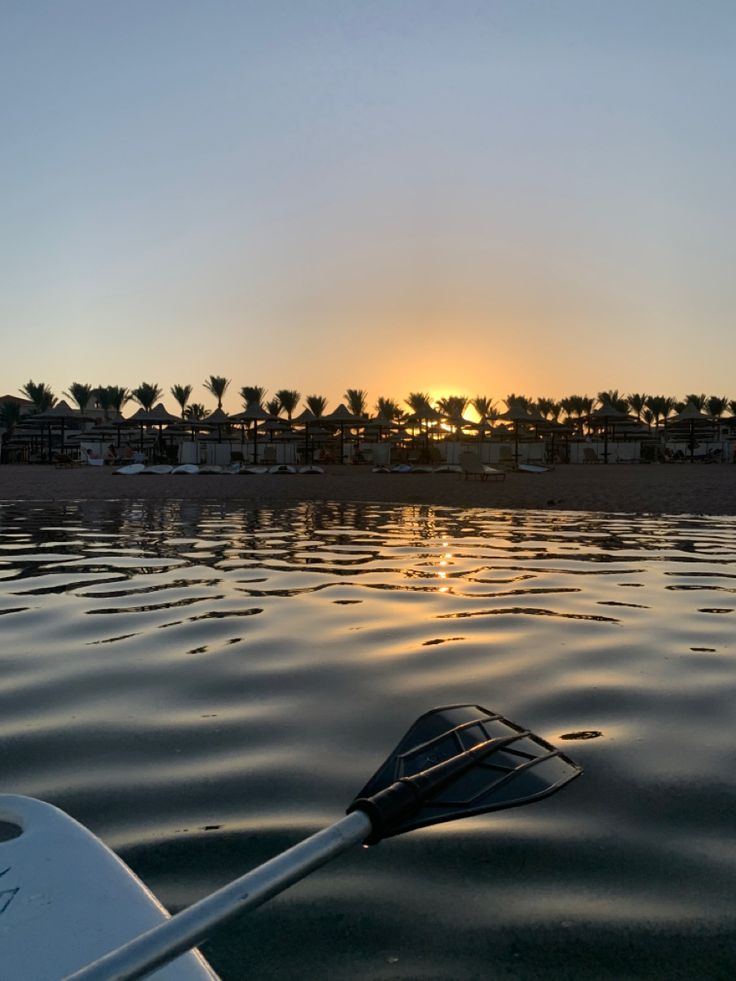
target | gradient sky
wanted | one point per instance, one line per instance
(454, 197)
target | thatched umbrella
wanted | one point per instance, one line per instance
(342, 416)
(306, 418)
(216, 420)
(690, 418)
(157, 416)
(518, 413)
(255, 413)
(605, 414)
(61, 413)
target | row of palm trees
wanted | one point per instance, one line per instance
(574, 410)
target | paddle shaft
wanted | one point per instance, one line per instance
(184, 931)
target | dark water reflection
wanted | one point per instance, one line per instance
(203, 685)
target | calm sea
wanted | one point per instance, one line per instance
(203, 685)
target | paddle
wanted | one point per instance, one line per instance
(454, 762)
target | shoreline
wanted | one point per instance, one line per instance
(653, 489)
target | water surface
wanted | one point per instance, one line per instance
(203, 685)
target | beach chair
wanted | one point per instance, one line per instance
(471, 466)
(65, 460)
(94, 459)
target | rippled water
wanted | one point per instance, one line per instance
(203, 685)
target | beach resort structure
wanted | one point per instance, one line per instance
(520, 436)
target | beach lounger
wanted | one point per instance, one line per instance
(65, 460)
(472, 467)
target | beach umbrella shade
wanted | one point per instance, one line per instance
(158, 416)
(518, 414)
(380, 423)
(342, 416)
(485, 425)
(111, 428)
(691, 418)
(426, 415)
(606, 414)
(216, 420)
(255, 413)
(138, 419)
(276, 426)
(61, 413)
(459, 423)
(305, 418)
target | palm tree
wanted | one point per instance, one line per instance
(357, 399)
(103, 398)
(80, 394)
(288, 401)
(388, 408)
(668, 405)
(568, 406)
(420, 404)
(316, 404)
(732, 406)
(716, 406)
(523, 400)
(576, 408)
(40, 394)
(660, 407)
(614, 399)
(252, 393)
(147, 394)
(119, 396)
(217, 385)
(195, 411)
(484, 406)
(453, 406)
(636, 404)
(9, 416)
(548, 408)
(273, 406)
(182, 394)
(586, 407)
(697, 400)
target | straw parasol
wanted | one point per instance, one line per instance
(342, 416)
(692, 418)
(518, 413)
(61, 413)
(216, 420)
(604, 414)
(255, 413)
(157, 416)
(305, 418)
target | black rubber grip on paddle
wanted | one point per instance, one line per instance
(388, 808)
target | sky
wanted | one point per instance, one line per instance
(443, 196)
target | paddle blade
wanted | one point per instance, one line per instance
(458, 761)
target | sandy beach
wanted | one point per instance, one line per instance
(657, 489)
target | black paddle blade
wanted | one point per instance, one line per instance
(432, 777)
